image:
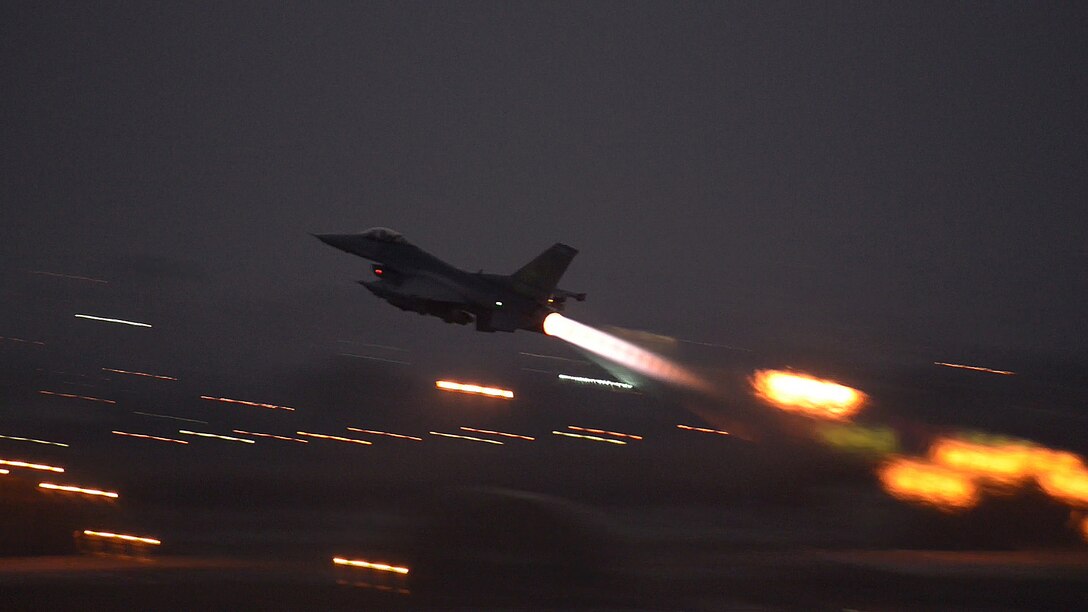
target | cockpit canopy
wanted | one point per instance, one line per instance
(383, 234)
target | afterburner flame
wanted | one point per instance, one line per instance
(808, 395)
(626, 354)
(1008, 464)
(918, 481)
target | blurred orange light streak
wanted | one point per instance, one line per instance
(469, 438)
(973, 368)
(227, 400)
(71, 489)
(619, 351)
(381, 567)
(449, 385)
(145, 374)
(148, 437)
(498, 433)
(34, 441)
(3, 471)
(203, 434)
(82, 397)
(808, 395)
(32, 466)
(265, 435)
(385, 433)
(121, 536)
(604, 432)
(914, 480)
(585, 437)
(337, 438)
(704, 429)
(1070, 485)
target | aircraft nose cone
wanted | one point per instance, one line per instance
(339, 241)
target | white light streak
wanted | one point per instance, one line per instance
(144, 374)
(32, 466)
(147, 437)
(109, 320)
(337, 438)
(585, 437)
(385, 433)
(73, 489)
(469, 438)
(381, 567)
(497, 433)
(596, 381)
(266, 435)
(34, 441)
(204, 434)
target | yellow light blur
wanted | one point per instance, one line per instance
(918, 481)
(620, 351)
(381, 567)
(82, 397)
(121, 536)
(73, 489)
(855, 438)
(385, 433)
(3, 471)
(1068, 485)
(973, 368)
(604, 432)
(204, 434)
(703, 430)
(265, 435)
(32, 466)
(109, 320)
(585, 437)
(34, 441)
(144, 374)
(449, 385)
(148, 437)
(497, 433)
(459, 437)
(227, 400)
(328, 437)
(807, 395)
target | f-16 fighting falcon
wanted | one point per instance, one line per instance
(412, 279)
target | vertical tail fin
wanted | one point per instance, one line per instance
(538, 278)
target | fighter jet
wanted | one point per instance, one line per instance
(412, 279)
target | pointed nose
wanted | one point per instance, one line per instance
(340, 241)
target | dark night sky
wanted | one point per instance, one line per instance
(910, 174)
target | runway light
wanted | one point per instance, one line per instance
(919, 481)
(808, 395)
(703, 430)
(337, 438)
(144, 374)
(266, 435)
(449, 385)
(497, 433)
(82, 397)
(624, 353)
(72, 489)
(204, 434)
(459, 437)
(121, 536)
(381, 567)
(148, 437)
(596, 381)
(585, 437)
(32, 466)
(34, 441)
(109, 320)
(973, 368)
(385, 433)
(604, 432)
(245, 403)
